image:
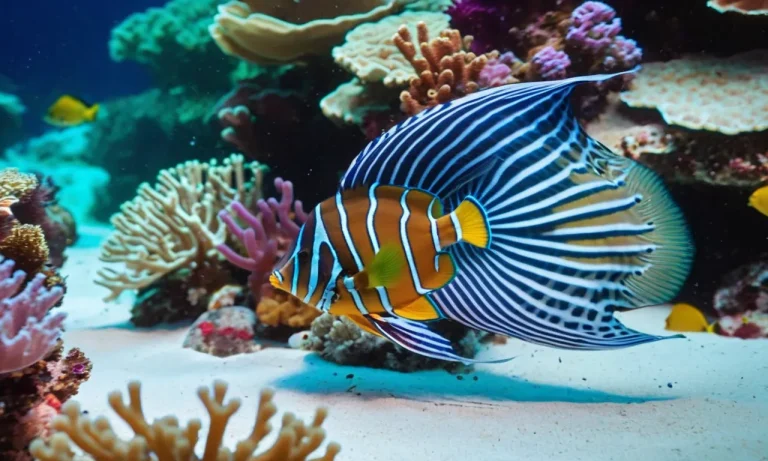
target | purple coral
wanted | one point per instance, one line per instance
(266, 235)
(622, 53)
(27, 333)
(550, 64)
(497, 71)
(594, 27)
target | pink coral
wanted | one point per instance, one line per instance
(623, 53)
(594, 27)
(267, 234)
(27, 333)
(550, 64)
(498, 71)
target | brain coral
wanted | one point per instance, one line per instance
(370, 52)
(729, 96)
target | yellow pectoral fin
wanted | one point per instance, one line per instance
(363, 323)
(422, 309)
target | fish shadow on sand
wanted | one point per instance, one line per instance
(322, 377)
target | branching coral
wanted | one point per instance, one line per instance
(728, 96)
(174, 225)
(268, 31)
(445, 71)
(165, 439)
(27, 332)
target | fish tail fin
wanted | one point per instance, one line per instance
(90, 113)
(668, 264)
(472, 223)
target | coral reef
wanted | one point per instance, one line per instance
(224, 332)
(339, 340)
(171, 230)
(741, 303)
(753, 7)
(173, 41)
(705, 93)
(370, 52)
(11, 111)
(353, 101)
(165, 437)
(268, 31)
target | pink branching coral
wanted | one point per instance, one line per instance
(267, 235)
(594, 26)
(27, 333)
(550, 64)
(498, 71)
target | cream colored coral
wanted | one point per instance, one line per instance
(268, 31)
(174, 224)
(165, 440)
(352, 101)
(370, 52)
(729, 95)
(15, 183)
(753, 7)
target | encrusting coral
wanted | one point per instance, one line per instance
(165, 439)
(269, 31)
(728, 95)
(752, 7)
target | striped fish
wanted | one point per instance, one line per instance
(549, 232)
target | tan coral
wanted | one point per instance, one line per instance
(352, 101)
(370, 51)
(269, 31)
(26, 245)
(165, 440)
(754, 7)
(729, 95)
(445, 69)
(174, 224)
(283, 309)
(16, 184)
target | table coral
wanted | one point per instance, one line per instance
(752, 7)
(166, 439)
(173, 225)
(352, 101)
(729, 96)
(370, 53)
(269, 31)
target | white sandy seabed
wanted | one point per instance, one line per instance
(700, 398)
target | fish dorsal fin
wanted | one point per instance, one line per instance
(384, 270)
(419, 338)
(422, 309)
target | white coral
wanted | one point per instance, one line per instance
(27, 333)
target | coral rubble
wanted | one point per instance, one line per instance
(166, 439)
(223, 332)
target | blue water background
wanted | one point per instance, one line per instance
(52, 48)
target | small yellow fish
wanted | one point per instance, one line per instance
(686, 318)
(759, 200)
(70, 111)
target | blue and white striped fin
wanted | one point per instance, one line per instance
(418, 338)
(577, 231)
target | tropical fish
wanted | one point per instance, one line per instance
(70, 111)
(496, 211)
(686, 318)
(759, 200)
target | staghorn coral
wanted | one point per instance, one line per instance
(751, 7)
(166, 439)
(269, 31)
(370, 53)
(728, 96)
(174, 224)
(27, 332)
(444, 70)
(339, 340)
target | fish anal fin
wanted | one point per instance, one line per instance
(421, 310)
(363, 323)
(473, 223)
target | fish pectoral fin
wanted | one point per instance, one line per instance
(420, 339)
(472, 223)
(422, 309)
(384, 270)
(364, 324)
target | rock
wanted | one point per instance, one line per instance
(224, 332)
